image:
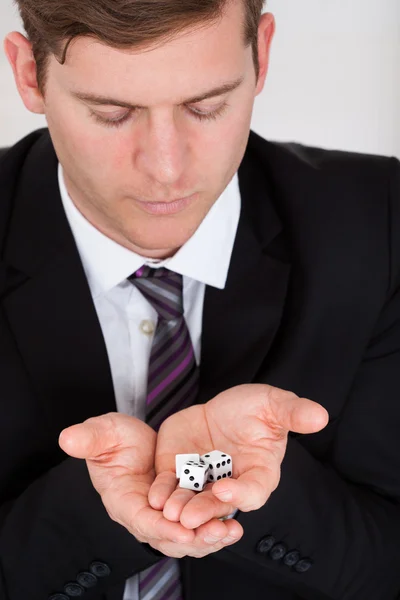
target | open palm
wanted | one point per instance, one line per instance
(119, 453)
(249, 422)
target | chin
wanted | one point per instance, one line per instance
(155, 247)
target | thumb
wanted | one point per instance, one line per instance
(92, 438)
(296, 414)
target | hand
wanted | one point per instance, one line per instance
(119, 453)
(249, 422)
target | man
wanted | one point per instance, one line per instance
(158, 259)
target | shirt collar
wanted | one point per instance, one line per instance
(205, 257)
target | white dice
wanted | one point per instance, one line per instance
(194, 475)
(181, 459)
(220, 465)
(194, 471)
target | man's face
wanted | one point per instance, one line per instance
(125, 167)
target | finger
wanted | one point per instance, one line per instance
(85, 440)
(174, 532)
(202, 508)
(212, 532)
(96, 437)
(293, 413)
(250, 491)
(131, 510)
(150, 524)
(204, 544)
(162, 488)
(176, 503)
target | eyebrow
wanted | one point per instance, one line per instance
(107, 101)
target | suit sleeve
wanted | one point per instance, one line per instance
(342, 516)
(57, 530)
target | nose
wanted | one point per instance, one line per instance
(161, 152)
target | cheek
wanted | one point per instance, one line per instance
(226, 149)
(122, 154)
(97, 158)
(235, 130)
(86, 145)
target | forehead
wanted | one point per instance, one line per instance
(194, 60)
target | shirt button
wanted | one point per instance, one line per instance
(147, 327)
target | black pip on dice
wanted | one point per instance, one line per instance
(182, 459)
(220, 465)
(194, 474)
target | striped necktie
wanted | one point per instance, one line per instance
(172, 385)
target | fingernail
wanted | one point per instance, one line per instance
(225, 496)
(210, 539)
(229, 540)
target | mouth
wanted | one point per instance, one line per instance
(167, 208)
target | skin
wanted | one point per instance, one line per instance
(180, 522)
(163, 151)
(160, 153)
(249, 422)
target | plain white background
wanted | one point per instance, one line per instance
(334, 78)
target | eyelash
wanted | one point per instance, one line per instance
(213, 116)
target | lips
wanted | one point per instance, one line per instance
(167, 208)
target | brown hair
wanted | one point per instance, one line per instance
(51, 25)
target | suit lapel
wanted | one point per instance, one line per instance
(49, 307)
(47, 301)
(241, 321)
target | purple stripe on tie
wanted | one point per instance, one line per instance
(181, 404)
(166, 307)
(170, 377)
(170, 359)
(188, 395)
(139, 272)
(170, 590)
(174, 283)
(187, 390)
(168, 342)
(153, 572)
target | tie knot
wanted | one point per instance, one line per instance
(162, 288)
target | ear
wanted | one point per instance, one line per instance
(19, 53)
(266, 32)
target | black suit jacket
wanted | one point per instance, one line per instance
(312, 304)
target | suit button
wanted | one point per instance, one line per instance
(303, 565)
(86, 580)
(265, 544)
(74, 590)
(99, 569)
(278, 551)
(58, 597)
(291, 558)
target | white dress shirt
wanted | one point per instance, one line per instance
(127, 319)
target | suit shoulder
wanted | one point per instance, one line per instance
(323, 196)
(12, 161)
(303, 159)
(12, 154)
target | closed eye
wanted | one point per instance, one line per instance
(201, 116)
